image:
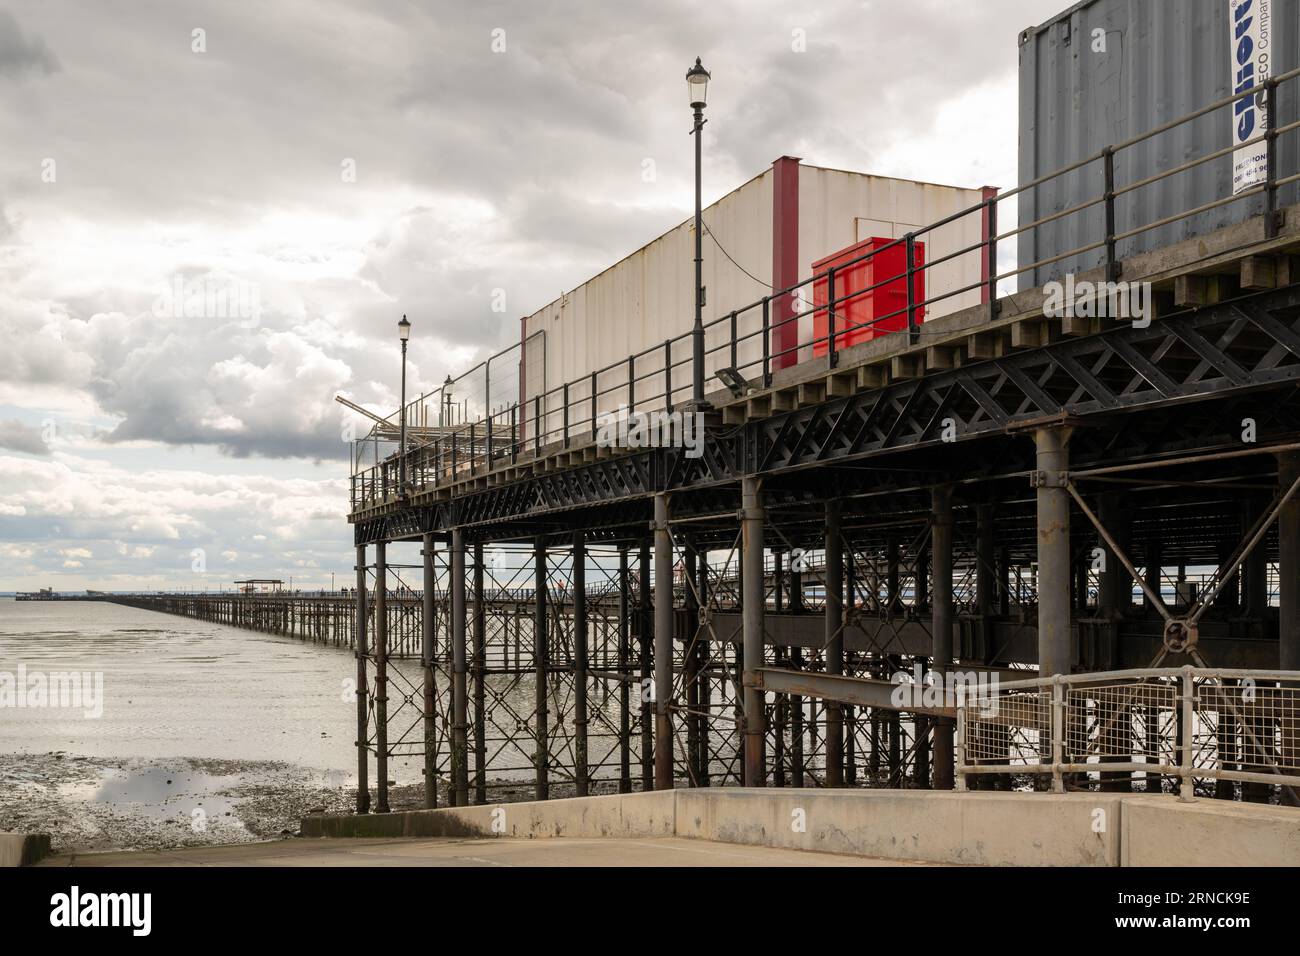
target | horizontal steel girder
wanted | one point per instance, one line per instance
(858, 691)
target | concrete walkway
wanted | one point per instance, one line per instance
(660, 851)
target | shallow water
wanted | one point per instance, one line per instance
(176, 687)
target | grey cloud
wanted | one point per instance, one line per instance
(15, 436)
(20, 55)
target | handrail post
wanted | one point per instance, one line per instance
(514, 433)
(1058, 734)
(991, 254)
(564, 418)
(735, 362)
(631, 384)
(767, 341)
(1185, 789)
(593, 406)
(472, 467)
(537, 424)
(1270, 145)
(909, 245)
(1108, 195)
(489, 441)
(668, 374)
(961, 737)
(831, 357)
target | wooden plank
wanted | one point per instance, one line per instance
(1288, 270)
(986, 345)
(812, 393)
(1191, 290)
(1258, 272)
(943, 357)
(873, 376)
(1028, 334)
(904, 367)
(841, 384)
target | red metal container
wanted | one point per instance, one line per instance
(876, 290)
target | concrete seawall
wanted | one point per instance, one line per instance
(976, 829)
(23, 849)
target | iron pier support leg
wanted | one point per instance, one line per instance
(579, 575)
(834, 623)
(753, 600)
(541, 655)
(479, 665)
(1055, 653)
(663, 675)
(1256, 585)
(645, 623)
(430, 691)
(942, 650)
(363, 732)
(706, 691)
(381, 674)
(625, 675)
(1288, 537)
(691, 663)
(459, 689)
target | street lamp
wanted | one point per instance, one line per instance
(404, 333)
(446, 403)
(697, 83)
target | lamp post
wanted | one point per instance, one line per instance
(445, 411)
(404, 332)
(697, 83)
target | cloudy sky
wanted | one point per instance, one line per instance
(332, 165)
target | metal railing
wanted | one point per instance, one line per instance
(749, 340)
(1184, 723)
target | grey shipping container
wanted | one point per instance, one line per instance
(1162, 59)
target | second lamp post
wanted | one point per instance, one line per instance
(697, 83)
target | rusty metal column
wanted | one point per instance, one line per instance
(430, 691)
(663, 684)
(753, 600)
(1055, 652)
(381, 675)
(477, 666)
(941, 622)
(834, 622)
(579, 575)
(1288, 568)
(363, 731)
(625, 676)
(541, 655)
(459, 690)
(706, 692)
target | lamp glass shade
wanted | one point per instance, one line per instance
(404, 329)
(697, 83)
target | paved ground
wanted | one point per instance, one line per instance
(666, 851)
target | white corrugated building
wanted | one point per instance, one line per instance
(775, 226)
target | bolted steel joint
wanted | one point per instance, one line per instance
(1049, 479)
